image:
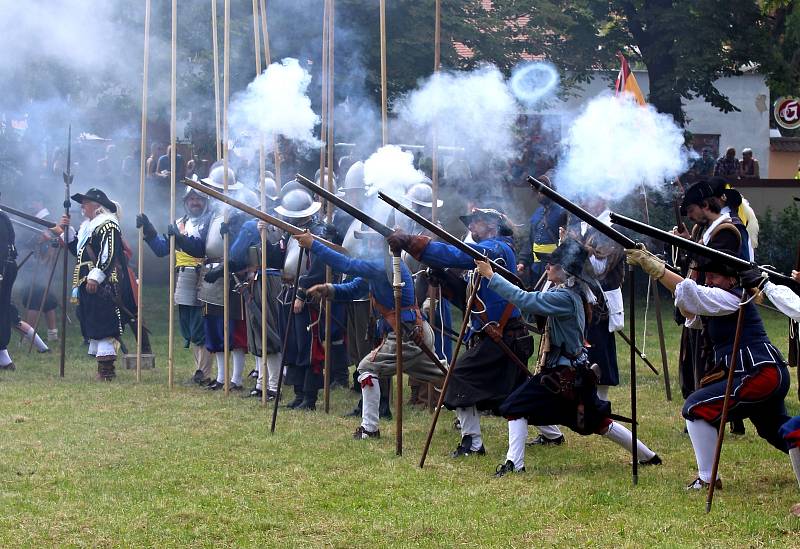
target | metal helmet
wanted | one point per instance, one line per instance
(270, 189)
(354, 180)
(292, 185)
(297, 204)
(422, 195)
(216, 179)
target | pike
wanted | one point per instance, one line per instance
(27, 217)
(729, 260)
(626, 243)
(65, 273)
(258, 214)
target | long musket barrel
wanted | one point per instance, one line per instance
(582, 214)
(373, 224)
(731, 261)
(28, 217)
(258, 214)
(452, 240)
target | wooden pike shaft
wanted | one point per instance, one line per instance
(215, 52)
(437, 57)
(329, 207)
(726, 402)
(397, 285)
(226, 90)
(173, 125)
(265, 217)
(634, 427)
(262, 370)
(384, 93)
(446, 383)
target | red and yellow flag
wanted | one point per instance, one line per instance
(626, 81)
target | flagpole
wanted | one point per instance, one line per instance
(142, 162)
(384, 128)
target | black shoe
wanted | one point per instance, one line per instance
(235, 387)
(737, 427)
(307, 405)
(298, 399)
(10, 367)
(542, 440)
(505, 468)
(198, 377)
(363, 434)
(215, 386)
(655, 460)
(464, 448)
(254, 393)
(271, 395)
(253, 373)
(700, 484)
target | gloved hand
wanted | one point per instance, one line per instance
(224, 229)
(214, 274)
(320, 291)
(418, 336)
(180, 239)
(753, 278)
(148, 230)
(647, 261)
(398, 240)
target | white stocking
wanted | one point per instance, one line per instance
(371, 401)
(517, 433)
(794, 456)
(238, 366)
(622, 436)
(220, 367)
(704, 442)
(273, 371)
(470, 425)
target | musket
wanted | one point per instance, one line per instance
(373, 224)
(698, 249)
(678, 218)
(27, 216)
(258, 214)
(65, 273)
(25, 225)
(582, 214)
(452, 240)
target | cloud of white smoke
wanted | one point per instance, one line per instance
(615, 145)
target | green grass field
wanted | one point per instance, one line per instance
(126, 464)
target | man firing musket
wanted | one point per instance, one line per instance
(484, 375)
(370, 277)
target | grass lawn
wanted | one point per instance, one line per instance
(93, 464)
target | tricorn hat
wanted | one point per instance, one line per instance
(95, 195)
(571, 255)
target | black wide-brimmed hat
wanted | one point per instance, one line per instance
(571, 255)
(697, 194)
(95, 195)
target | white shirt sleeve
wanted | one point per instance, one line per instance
(97, 275)
(784, 299)
(704, 300)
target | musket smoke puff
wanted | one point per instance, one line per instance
(532, 83)
(276, 103)
(391, 170)
(474, 110)
(615, 145)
